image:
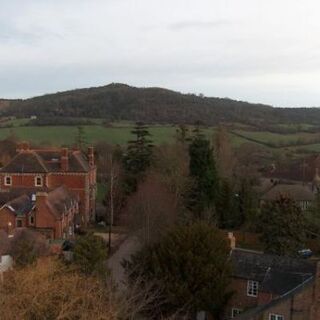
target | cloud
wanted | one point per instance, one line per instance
(197, 24)
(251, 50)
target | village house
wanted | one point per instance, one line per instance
(49, 190)
(301, 194)
(269, 287)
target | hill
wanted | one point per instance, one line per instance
(116, 102)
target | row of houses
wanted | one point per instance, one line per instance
(269, 287)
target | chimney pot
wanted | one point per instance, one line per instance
(64, 159)
(23, 146)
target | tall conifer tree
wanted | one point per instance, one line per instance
(203, 194)
(138, 157)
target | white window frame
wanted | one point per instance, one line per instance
(235, 312)
(252, 288)
(273, 316)
(36, 181)
(5, 181)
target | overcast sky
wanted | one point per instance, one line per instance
(255, 50)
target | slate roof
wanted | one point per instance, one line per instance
(296, 192)
(276, 275)
(60, 199)
(20, 200)
(42, 161)
(21, 205)
(7, 196)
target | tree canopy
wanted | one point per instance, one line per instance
(190, 266)
(283, 227)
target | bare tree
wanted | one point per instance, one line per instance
(50, 290)
(151, 210)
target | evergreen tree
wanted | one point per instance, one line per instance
(138, 157)
(202, 168)
(228, 208)
(247, 202)
(81, 138)
(283, 227)
(90, 254)
(191, 267)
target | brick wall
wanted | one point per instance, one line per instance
(8, 220)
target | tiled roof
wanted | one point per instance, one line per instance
(7, 196)
(25, 163)
(60, 200)
(296, 192)
(42, 161)
(20, 200)
(21, 205)
(276, 275)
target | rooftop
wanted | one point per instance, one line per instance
(46, 160)
(297, 192)
(276, 274)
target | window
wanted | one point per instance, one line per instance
(235, 312)
(19, 223)
(275, 317)
(304, 205)
(252, 288)
(7, 181)
(31, 220)
(38, 181)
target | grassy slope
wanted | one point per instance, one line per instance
(119, 133)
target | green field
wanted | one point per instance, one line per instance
(117, 134)
(278, 139)
(66, 135)
(120, 133)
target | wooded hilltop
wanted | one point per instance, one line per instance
(153, 105)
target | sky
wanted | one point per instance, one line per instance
(264, 51)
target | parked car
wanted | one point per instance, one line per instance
(305, 253)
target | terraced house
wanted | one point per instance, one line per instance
(50, 190)
(269, 287)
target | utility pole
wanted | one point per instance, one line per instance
(111, 200)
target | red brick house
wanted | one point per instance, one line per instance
(269, 287)
(48, 189)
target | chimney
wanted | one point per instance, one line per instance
(64, 159)
(41, 204)
(23, 146)
(91, 156)
(232, 240)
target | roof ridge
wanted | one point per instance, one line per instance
(40, 160)
(16, 156)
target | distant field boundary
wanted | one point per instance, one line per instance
(273, 145)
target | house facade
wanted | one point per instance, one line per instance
(48, 189)
(269, 287)
(303, 195)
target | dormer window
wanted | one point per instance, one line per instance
(38, 181)
(7, 180)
